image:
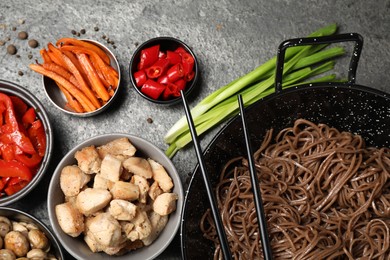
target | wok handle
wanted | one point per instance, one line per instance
(348, 37)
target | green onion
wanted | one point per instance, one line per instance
(302, 62)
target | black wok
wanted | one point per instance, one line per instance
(346, 106)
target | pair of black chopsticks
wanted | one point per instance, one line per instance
(255, 186)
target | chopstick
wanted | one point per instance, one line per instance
(213, 202)
(267, 253)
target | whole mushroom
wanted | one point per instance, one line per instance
(36, 254)
(7, 254)
(16, 242)
(5, 226)
(38, 239)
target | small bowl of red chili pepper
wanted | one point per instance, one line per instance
(25, 142)
(161, 67)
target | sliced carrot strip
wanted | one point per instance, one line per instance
(45, 56)
(72, 41)
(82, 84)
(55, 55)
(57, 69)
(109, 73)
(72, 102)
(78, 94)
(76, 62)
(97, 85)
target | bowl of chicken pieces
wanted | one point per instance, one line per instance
(115, 195)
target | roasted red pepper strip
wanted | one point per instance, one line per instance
(14, 185)
(152, 89)
(15, 169)
(29, 117)
(20, 106)
(175, 72)
(140, 78)
(38, 137)
(7, 151)
(30, 161)
(157, 69)
(173, 57)
(149, 56)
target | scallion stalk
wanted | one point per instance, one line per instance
(222, 103)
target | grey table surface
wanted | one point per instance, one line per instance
(229, 37)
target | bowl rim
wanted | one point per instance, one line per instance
(188, 90)
(43, 227)
(15, 89)
(113, 60)
(178, 188)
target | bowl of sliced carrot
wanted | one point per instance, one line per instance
(80, 77)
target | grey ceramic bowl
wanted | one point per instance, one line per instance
(76, 246)
(13, 89)
(58, 99)
(20, 216)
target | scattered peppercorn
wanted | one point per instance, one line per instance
(33, 43)
(82, 31)
(11, 49)
(136, 44)
(104, 37)
(22, 35)
(73, 32)
(17, 56)
(114, 46)
(2, 43)
(30, 56)
(13, 28)
(149, 120)
(20, 73)
(96, 28)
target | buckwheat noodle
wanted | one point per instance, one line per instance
(325, 195)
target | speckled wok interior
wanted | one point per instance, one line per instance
(357, 109)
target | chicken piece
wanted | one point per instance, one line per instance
(122, 209)
(142, 226)
(88, 160)
(161, 176)
(165, 203)
(143, 187)
(72, 180)
(154, 190)
(105, 229)
(91, 200)
(158, 223)
(125, 191)
(121, 148)
(138, 166)
(100, 183)
(70, 219)
(92, 244)
(111, 168)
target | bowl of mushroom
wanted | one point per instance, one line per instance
(115, 194)
(22, 236)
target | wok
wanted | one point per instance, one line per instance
(346, 106)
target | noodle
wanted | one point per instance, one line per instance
(325, 195)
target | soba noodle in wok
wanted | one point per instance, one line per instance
(325, 194)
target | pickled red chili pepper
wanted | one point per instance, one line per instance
(152, 89)
(149, 56)
(175, 72)
(157, 69)
(173, 57)
(140, 78)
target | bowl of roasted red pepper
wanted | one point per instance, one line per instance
(161, 67)
(25, 142)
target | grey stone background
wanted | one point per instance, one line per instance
(229, 37)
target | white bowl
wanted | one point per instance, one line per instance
(76, 246)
